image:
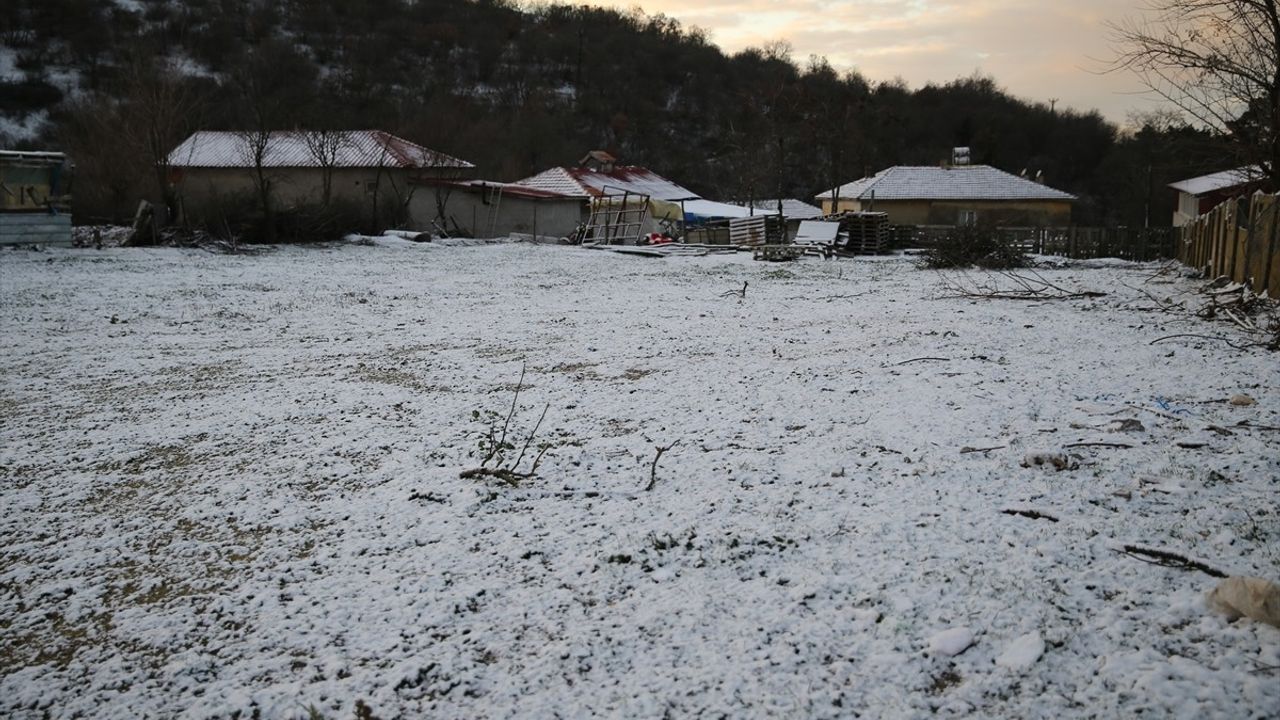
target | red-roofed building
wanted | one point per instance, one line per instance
(598, 174)
(211, 169)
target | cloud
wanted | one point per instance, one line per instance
(1036, 49)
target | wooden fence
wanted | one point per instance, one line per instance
(1239, 239)
(1079, 243)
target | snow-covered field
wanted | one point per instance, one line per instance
(231, 488)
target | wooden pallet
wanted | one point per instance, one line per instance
(777, 253)
(758, 230)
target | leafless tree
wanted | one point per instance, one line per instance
(325, 146)
(254, 149)
(1217, 61)
(109, 173)
(272, 80)
(160, 110)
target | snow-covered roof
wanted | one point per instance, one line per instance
(1218, 181)
(791, 208)
(713, 209)
(960, 182)
(288, 149)
(585, 182)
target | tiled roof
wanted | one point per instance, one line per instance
(288, 148)
(1218, 181)
(584, 182)
(963, 182)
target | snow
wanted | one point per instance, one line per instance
(15, 129)
(1214, 182)
(231, 484)
(9, 71)
(1023, 652)
(951, 641)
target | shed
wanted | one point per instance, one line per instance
(33, 201)
(953, 195)
(595, 179)
(209, 168)
(1199, 195)
(482, 208)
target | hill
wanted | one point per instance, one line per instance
(517, 89)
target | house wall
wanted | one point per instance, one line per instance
(1187, 209)
(207, 190)
(948, 212)
(485, 214)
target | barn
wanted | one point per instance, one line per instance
(210, 169)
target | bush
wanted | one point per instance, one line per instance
(979, 245)
(314, 223)
(240, 216)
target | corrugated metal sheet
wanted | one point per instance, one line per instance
(35, 228)
(507, 189)
(964, 182)
(791, 209)
(288, 149)
(584, 182)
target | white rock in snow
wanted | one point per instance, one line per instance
(1023, 652)
(950, 642)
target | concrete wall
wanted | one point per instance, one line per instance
(496, 217)
(947, 212)
(205, 190)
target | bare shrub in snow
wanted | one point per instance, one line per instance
(975, 245)
(496, 444)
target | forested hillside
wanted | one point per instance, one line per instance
(517, 89)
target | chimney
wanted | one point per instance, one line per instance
(598, 161)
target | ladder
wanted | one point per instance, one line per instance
(617, 219)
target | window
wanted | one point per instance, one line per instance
(968, 217)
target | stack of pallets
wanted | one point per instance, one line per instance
(758, 230)
(867, 233)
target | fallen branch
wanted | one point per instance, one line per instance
(966, 450)
(1165, 558)
(1033, 514)
(740, 294)
(921, 359)
(1033, 287)
(653, 469)
(1251, 426)
(1206, 337)
(506, 475)
(1098, 444)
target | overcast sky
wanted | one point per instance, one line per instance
(1037, 49)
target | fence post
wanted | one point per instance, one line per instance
(1271, 276)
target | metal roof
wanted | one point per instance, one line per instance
(31, 157)
(288, 149)
(791, 208)
(960, 182)
(584, 182)
(1219, 180)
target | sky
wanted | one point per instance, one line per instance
(1036, 49)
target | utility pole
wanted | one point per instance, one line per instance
(1053, 105)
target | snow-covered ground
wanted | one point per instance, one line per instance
(231, 488)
